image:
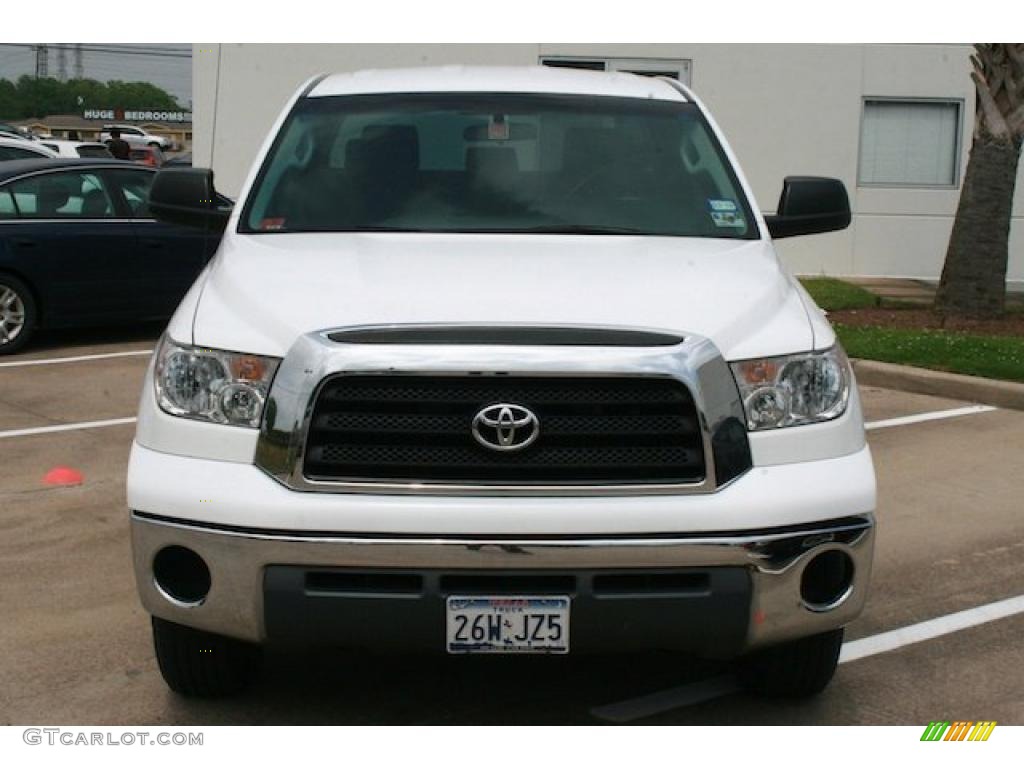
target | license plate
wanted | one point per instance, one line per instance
(512, 624)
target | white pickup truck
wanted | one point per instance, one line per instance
(499, 360)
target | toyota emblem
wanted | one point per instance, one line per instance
(505, 427)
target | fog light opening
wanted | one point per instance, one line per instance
(827, 580)
(181, 576)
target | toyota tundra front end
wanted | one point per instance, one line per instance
(500, 361)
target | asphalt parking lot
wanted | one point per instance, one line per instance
(75, 644)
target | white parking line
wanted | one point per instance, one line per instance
(950, 413)
(928, 630)
(76, 359)
(713, 688)
(931, 416)
(66, 427)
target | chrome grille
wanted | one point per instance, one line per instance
(417, 428)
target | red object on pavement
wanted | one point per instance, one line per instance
(63, 476)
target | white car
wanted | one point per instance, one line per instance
(8, 131)
(23, 149)
(67, 148)
(137, 137)
(499, 360)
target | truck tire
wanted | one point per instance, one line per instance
(202, 664)
(797, 669)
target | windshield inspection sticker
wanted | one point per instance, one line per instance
(498, 128)
(725, 213)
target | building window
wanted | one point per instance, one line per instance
(910, 142)
(675, 68)
(595, 64)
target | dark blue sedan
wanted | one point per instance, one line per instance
(78, 246)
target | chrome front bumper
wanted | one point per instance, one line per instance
(774, 559)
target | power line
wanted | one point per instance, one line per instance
(130, 74)
(143, 47)
(169, 53)
(111, 47)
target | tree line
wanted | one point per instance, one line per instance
(36, 97)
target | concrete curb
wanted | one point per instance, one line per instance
(1004, 394)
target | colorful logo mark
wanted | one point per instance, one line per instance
(959, 730)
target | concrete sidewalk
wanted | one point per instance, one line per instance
(955, 386)
(920, 292)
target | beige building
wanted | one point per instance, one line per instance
(894, 122)
(85, 129)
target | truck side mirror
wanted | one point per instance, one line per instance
(809, 205)
(187, 196)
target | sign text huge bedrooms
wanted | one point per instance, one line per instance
(161, 116)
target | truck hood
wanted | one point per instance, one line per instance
(263, 291)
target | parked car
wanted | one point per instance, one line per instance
(183, 159)
(78, 246)
(151, 156)
(12, 131)
(500, 361)
(137, 137)
(66, 148)
(22, 149)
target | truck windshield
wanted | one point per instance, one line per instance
(465, 162)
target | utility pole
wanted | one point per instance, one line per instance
(62, 62)
(79, 69)
(42, 60)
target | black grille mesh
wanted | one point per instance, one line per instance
(418, 428)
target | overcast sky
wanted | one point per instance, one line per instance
(172, 74)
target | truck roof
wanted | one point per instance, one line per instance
(536, 79)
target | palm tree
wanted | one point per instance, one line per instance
(974, 276)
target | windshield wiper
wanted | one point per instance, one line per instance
(556, 229)
(378, 228)
(582, 229)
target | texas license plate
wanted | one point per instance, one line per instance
(512, 624)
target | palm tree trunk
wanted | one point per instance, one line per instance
(974, 276)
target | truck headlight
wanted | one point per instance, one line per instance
(793, 389)
(212, 385)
